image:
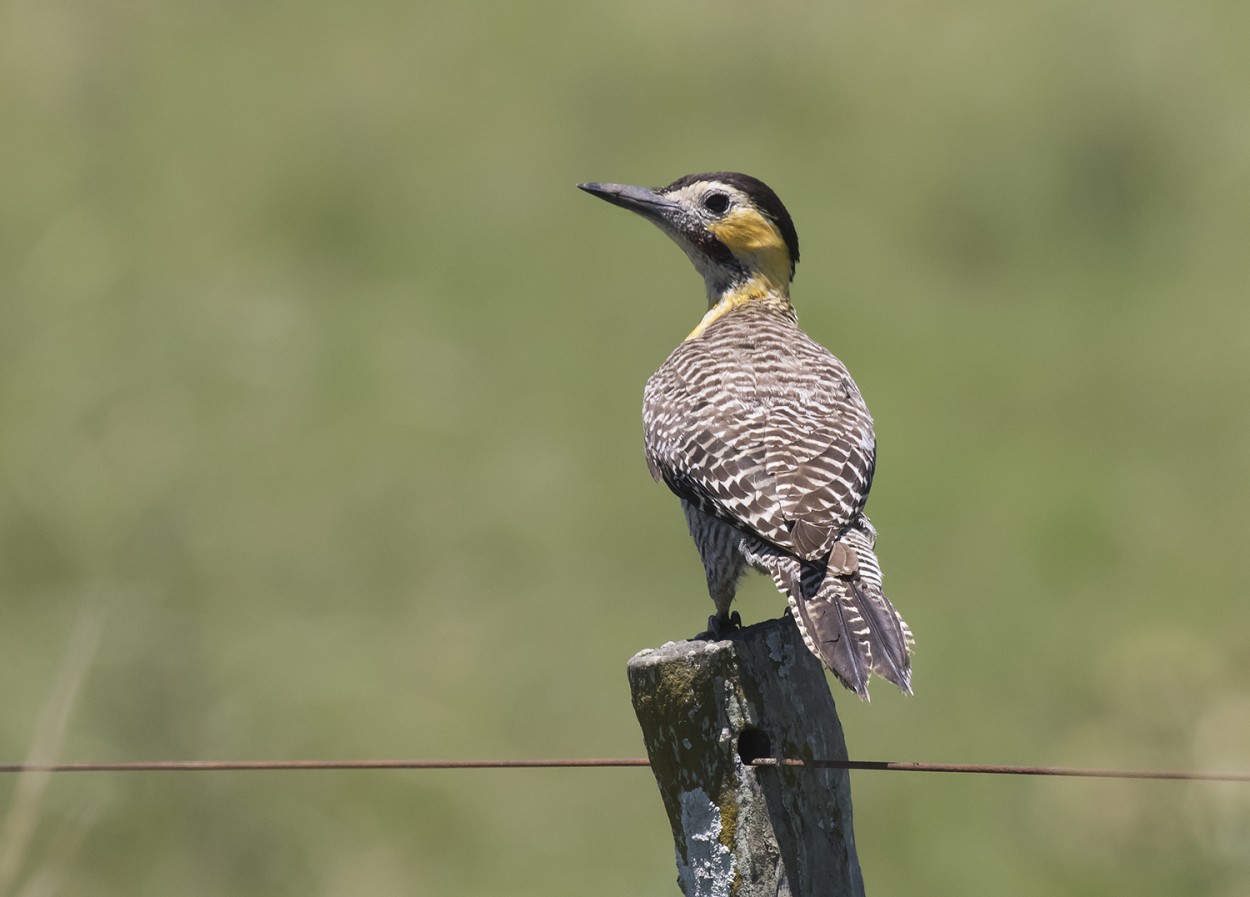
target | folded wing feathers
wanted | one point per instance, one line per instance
(764, 429)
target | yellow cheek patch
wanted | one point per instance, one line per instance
(757, 242)
(747, 231)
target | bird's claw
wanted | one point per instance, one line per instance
(720, 627)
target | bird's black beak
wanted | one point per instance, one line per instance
(648, 203)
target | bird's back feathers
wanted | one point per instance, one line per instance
(756, 423)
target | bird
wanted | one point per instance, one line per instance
(762, 434)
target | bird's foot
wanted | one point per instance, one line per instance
(720, 627)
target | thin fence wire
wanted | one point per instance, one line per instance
(601, 762)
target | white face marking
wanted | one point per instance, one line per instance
(692, 196)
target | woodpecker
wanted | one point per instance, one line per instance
(762, 433)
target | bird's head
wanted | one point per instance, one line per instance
(732, 226)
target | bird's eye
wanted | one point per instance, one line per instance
(716, 203)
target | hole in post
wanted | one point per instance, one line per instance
(753, 744)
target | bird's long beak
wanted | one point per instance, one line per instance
(648, 203)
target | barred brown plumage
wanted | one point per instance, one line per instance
(763, 434)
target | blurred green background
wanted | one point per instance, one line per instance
(320, 388)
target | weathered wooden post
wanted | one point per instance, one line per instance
(706, 710)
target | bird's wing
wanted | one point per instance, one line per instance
(764, 428)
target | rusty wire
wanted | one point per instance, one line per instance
(601, 762)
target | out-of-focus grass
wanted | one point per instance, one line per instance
(320, 378)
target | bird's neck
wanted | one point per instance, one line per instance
(755, 290)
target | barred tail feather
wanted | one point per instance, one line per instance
(853, 628)
(835, 630)
(890, 637)
(843, 615)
